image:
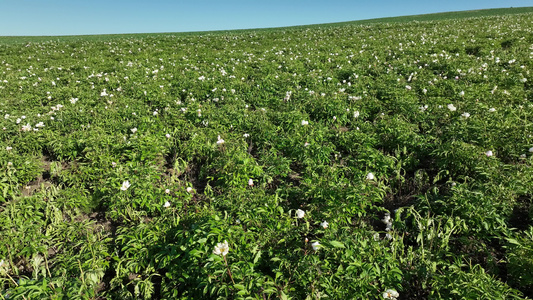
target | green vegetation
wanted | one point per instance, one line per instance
(349, 161)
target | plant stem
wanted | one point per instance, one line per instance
(229, 272)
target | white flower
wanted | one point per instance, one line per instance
(462, 93)
(133, 130)
(386, 218)
(370, 176)
(300, 213)
(103, 93)
(8, 148)
(451, 107)
(4, 267)
(27, 127)
(356, 114)
(324, 224)
(408, 87)
(189, 190)
(221, 249)
(523, 80)
(73, 100)
(522, 155)
(315, 245)
(167, 191)
(531, 149)
(219, 140)
(246, 135)
(167, 204)
(202, 78)
(125, 185)
(306, 144)
(167, 136)
(465, 115)
(113, 164)
(492, 109)
(376, 236)
(250, 182)
(304, 122)
(390, 294)
(488, 153)
(40, 124)
(424, 91)
(19, 120)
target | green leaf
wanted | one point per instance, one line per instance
(337, 244)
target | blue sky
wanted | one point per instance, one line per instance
(64, 17)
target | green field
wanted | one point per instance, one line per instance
(377, 159)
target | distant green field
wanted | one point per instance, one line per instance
(400, 19)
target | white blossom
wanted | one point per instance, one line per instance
(315, 245)
(370, 176)
(221, 249)
(125, 185)
(324, 224)
(304, 122)
(300, 213)
(390, 294)
(167, 204)
(26, 127)
(451, 107)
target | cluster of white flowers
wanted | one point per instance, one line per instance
(451, 107)
(220, 140)
(304, 122)
(387, 221)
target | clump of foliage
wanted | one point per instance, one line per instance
(355, 161)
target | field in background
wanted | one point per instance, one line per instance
(375, 159)
(402, 19)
